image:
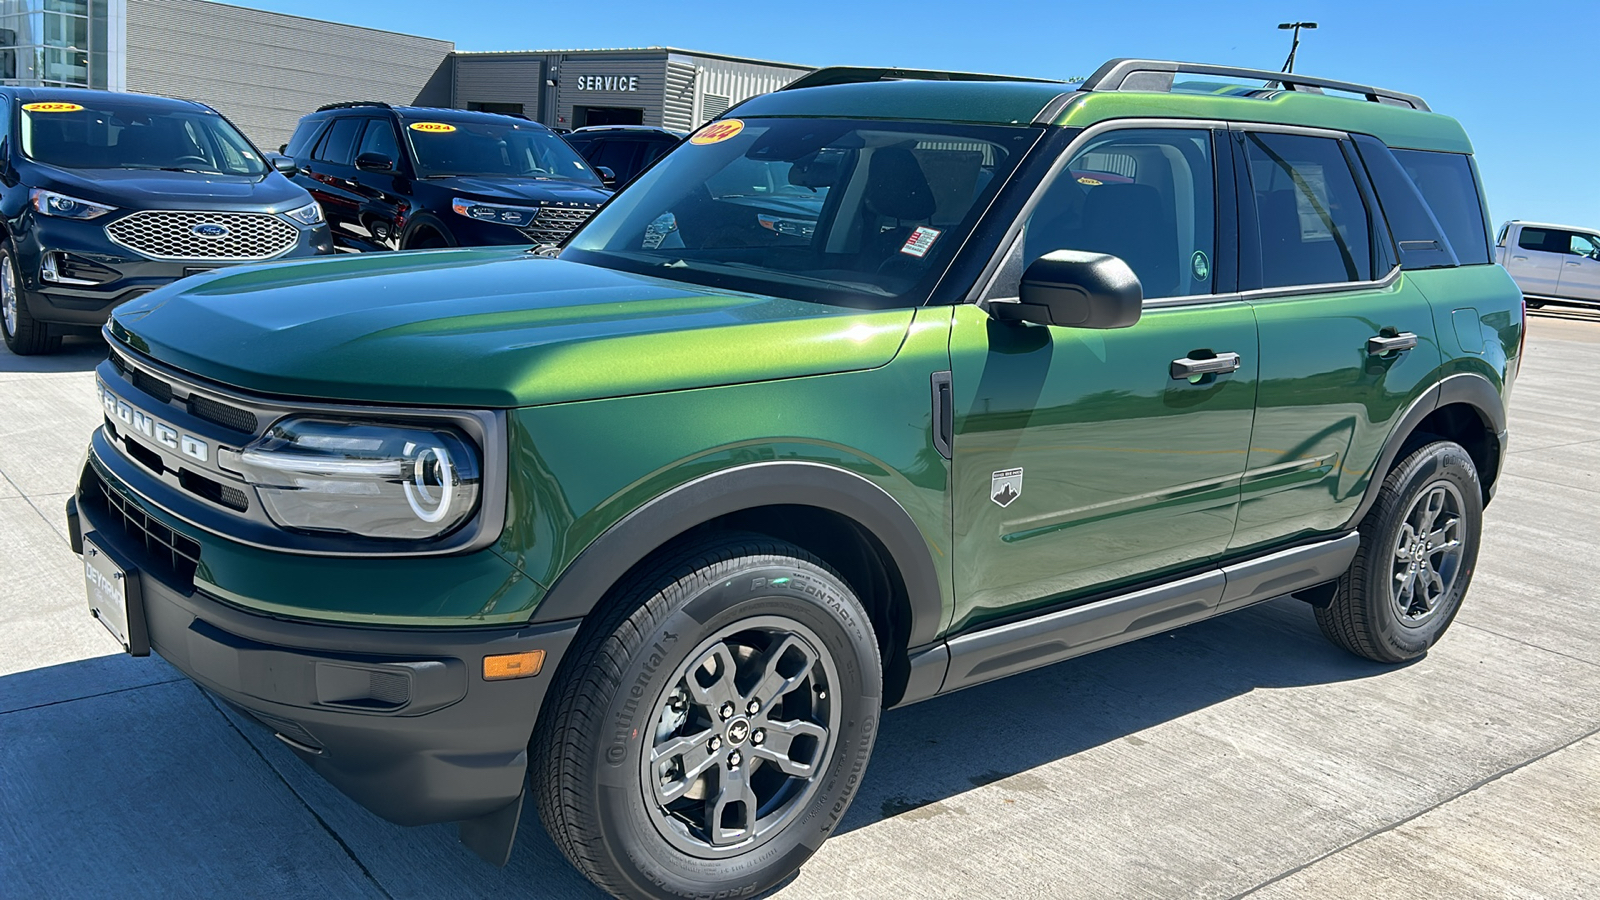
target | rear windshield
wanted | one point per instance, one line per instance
(508, 148)
(108, 135)
(1446, 180)
(860, 213)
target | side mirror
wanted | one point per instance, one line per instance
(284, 164)
(374, 162)
(1072, 289)
(607, 177)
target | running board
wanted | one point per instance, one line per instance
(1019, 646)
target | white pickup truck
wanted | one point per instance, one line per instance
(1551, 263)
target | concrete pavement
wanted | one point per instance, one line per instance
(1240, 756)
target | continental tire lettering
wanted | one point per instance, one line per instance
(624, 732)
(839, 805)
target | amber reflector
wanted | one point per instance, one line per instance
(512, 665)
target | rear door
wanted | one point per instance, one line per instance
(1346, 343)
(332, 172)
(1580, 270)
(378, 197)
(1536, 257)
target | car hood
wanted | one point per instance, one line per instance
(146, 189)
(487, 328)
(522, 190)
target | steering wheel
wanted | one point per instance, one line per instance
(192, 159)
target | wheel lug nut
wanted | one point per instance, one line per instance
(716, 743)
(734, 759)
(758, 736)
(754, 707)
(727, 710)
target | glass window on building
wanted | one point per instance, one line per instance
(48, 43)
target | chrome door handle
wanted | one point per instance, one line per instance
(1383, 344)
(1220, 364)
(1520, 258)
(1571, 263)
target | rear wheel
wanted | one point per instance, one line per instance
(710, 732)
(425, 239)
(1419, 546)
(24, 335)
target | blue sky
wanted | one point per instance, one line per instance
(1525, 84)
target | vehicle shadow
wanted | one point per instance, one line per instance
(77, 354)
(119, 766)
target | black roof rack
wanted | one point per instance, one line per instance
(1158, 74)
(861, 75)
(351, 104)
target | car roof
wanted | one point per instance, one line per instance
(85, 97)
(1155, 91)
(446, 114)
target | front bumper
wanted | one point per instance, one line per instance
(399, 719)
(129, 275)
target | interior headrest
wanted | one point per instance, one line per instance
(897, 187)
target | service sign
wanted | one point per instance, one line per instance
(51, 107)
(608, 82)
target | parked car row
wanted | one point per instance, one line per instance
(107, 196)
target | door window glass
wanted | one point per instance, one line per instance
(616, 155)
(301, 141)
(340, 144)
(1315, 228)
(1585, 245)
(1545, 240)
(1145, 195)
(1446, 180)
(379, 138)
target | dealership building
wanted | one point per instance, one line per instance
(265, 70)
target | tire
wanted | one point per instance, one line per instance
(1399, 595)
(426, 239)
(24, 335)
(764, 612)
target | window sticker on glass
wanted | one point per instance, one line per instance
(717, 132)
(921, 241)
(432, 127)
(52, 107)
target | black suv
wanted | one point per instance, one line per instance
(404, 178)
(623, 150)
(106, 196)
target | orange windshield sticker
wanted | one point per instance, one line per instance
(52, 107)
(432, 127)
(1091, 182)
(717, 132)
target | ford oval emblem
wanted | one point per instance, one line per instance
(210, 230)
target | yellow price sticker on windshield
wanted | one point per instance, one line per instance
(52, 107)
(717, 132)
(432, 127)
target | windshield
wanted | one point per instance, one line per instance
(856, 212)
(508, 148)
(109, 135)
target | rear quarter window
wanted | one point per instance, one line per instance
(301, 141)
(1447, 182)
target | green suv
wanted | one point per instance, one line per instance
(880, 386)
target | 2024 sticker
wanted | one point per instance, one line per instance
(432, 127)
(717, 132)
(51, 107)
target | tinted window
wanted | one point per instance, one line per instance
(379, 138)
(496, 145)
(340, 144)
(1315, 228)
(1585, 245)
(134, 135)
(1545, 240)
(616, 155)
(1501, 240)
(1447, 181)
(303, 133)
(1420, 237)
(1146, 196)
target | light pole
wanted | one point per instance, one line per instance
(1288, 64)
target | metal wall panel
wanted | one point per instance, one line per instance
(648, 69)
(265, 70)
(678, 105)
(497, 78)
(720, 83)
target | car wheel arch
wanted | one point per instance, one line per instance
(426, 223)
(848, 521)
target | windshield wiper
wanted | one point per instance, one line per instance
(780, 275)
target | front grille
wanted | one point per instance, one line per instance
(232, 237)
(170, 554)
(222, 414)
(554, 223)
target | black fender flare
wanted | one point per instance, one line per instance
(587, 579)
(1467, 389)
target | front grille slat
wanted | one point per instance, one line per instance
(239, 237)
(217, 413)
(554, 223)
(178, 555)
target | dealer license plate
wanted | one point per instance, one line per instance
(114, 597)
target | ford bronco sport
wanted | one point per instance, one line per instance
(653, 528)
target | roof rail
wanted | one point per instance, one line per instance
(1158, 74)
(860, 75)
(351, 104)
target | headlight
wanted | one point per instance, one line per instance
(517, 216)
(381, 481)
(51, 203)
(310, 214)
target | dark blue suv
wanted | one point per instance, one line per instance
(407, 178)
(106, 196)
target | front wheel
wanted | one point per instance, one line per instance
(1419, 546)
(710, 731)
(24, 335)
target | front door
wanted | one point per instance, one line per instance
(1081, 462)
(1580, 268)
(1536, 257)
(1345, 346)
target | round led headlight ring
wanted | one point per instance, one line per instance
(432, 484)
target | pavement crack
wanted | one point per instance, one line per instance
(348, 850)
(1555, 446)
(137, 687)
(1570, 487)
(1529, 644)
(1482, 782)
